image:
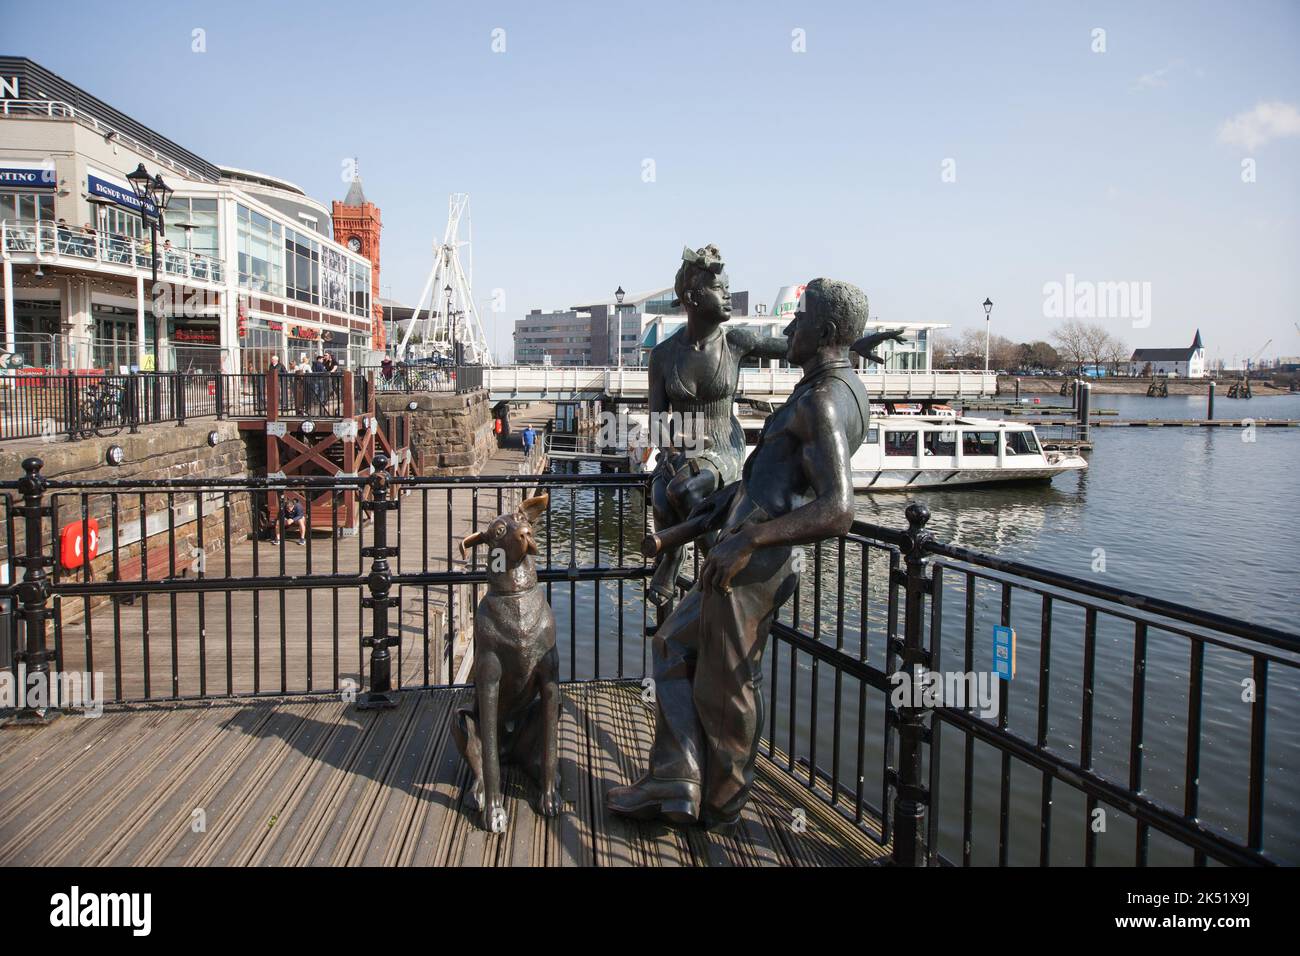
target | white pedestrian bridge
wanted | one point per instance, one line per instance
(575, 383)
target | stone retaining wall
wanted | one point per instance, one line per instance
(451, 434)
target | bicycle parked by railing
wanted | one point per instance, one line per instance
(101, 410)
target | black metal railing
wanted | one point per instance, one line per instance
(1093, 752)
(1135, 730)
(189, 596)
(406, 379)
(469, 377)
(74, 405)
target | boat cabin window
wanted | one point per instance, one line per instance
(873, 436)
(1022, 443)
(941, 443)
(979, 443)
(900, 443)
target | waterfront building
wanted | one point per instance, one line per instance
(248, 263)
(1186, 362)
(591, 333)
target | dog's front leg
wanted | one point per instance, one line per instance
(494, 811)
(551, 800)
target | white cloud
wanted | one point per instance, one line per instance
(1157, 78)
(1263, 124)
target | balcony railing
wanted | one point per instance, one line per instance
(1135, 731)
(50, 242)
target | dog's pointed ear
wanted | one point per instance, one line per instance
(533, 508)
(470, 541)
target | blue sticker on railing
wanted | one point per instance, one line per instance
(1004, 651)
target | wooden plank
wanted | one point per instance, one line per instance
(292, 836)
(148, 835)
(312, 780)
(223, 790)
(569, 833)
(82, 800)
(384, 846)
(353, 802)
(440, 797)
(664, 845)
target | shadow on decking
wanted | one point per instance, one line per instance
(312, 781)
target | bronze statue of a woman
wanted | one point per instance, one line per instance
(693, 378)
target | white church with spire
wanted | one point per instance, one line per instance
(1186, 362)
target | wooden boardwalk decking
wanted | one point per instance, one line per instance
(312, 781)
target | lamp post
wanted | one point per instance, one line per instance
(618, 310)
(451, 323)
(988, 308)
(154, 196)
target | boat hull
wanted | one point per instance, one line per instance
(908, 479)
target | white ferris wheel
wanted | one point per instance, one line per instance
(451, 319)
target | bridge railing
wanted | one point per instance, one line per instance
(1130, 730)
(635, 382)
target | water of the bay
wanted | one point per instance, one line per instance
(1200, 516)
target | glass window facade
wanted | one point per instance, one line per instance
(302, 267)
(36, 329)
(26, 207)
(260, 246)
(116, 221)
(263, 338)
(114, 346)
(359, 280)
(192, 223)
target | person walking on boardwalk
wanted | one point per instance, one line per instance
(795, 488)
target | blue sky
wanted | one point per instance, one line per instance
(1109, 166)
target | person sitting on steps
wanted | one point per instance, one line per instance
(293, 516)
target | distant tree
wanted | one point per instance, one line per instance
(1003, 353)
(1071, 338)
(1096, 344)
(1042, 355)
(1117, 353)
(947, 350)
(972, 348)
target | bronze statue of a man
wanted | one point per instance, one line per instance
(693, 377)
(796, 488)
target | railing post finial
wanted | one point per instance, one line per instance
(33, 593)
(380, 582)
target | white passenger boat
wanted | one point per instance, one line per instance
(903, 452)
(909, 451)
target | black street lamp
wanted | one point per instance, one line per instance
(451, 323)
(618, 310)
(154, 196)
(988, 308)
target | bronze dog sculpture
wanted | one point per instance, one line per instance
(515, 714)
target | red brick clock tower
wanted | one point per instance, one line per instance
(357, 226)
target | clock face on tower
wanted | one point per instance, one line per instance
(354, 244)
